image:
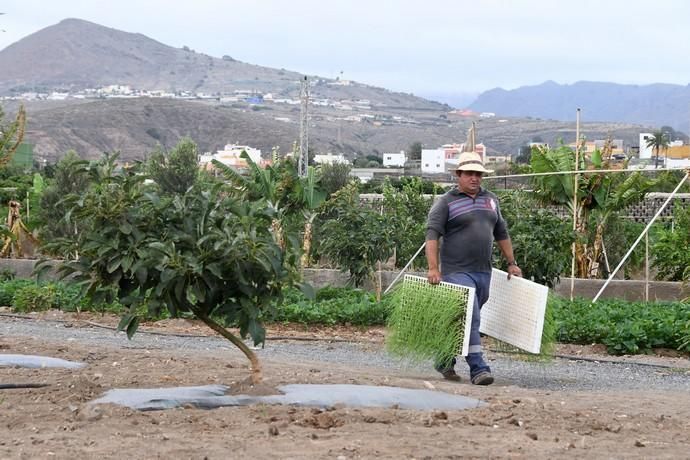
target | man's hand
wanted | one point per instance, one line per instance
(514, 270)
(434, 276)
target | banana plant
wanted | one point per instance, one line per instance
(598, 196)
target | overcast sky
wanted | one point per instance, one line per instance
(433, 48)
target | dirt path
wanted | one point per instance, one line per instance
(55, 422)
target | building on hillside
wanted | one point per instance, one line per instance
(394, 160)
(231, 156)
(645, 151)
(452, 153)
(367, 174)
(330, 159)
(497, 159)
(539, 145)
(433, 161)
(589, 147)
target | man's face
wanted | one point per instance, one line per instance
(469, 181)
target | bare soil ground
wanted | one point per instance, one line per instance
(57, 422)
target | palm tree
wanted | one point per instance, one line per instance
(659, 140)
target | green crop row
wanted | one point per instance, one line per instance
(624, 327)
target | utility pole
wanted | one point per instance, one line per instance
(303, 163)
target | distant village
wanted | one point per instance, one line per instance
(354, 107)
(439, 161)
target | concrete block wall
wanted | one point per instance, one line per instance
(621, 289)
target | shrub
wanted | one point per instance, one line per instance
(34, 297)
(671, 257)
(332, 306)
(532, 230)
(9, 288)
(353, 237)
(624, 327)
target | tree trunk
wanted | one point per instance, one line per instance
(277, 228)
(306, 243)
(255, 364)
(596, 251)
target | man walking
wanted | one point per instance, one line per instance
(469, 220)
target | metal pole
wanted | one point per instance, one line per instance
(639, 238)
(577, 166)
(606, 257)
(404, 268)
(646, 267)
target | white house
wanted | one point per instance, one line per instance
(392, 160)
(230, 156)
(331, 159)
(645, 152)
(433, 161)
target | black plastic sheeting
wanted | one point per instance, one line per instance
(213, 396)
(37, 362)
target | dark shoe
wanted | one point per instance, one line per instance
(449, 374)
(483, 378)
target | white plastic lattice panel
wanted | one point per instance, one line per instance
(416, 284)
(514, 313)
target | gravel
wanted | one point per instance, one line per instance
(557, 374)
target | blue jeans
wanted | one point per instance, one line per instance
(481, 282)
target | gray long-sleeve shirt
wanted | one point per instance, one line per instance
(468, 227)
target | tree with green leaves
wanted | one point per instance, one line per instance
(334, 176)
(209, 252)
(354, 237)
(177, 170)
(658, 141)
(414, 151)
(294, 199)
(531, 230)
(69, 178)
(598, 196)
(408, 209)
(671, 257)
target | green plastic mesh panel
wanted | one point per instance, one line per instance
(430, 321)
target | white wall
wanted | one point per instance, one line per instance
(394, 159)
(645, 152)
(433, 161)
(331, 159)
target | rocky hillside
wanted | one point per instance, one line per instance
(135, 127)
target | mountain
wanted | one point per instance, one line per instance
(652, 105)
(76, 54)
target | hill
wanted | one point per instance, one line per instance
(135, 127)
(652, 105)
(76, 54)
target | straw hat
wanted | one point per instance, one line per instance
(470, 161)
